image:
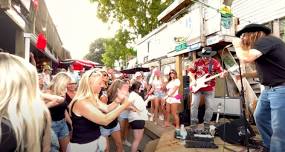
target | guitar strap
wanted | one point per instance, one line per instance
(210, 66)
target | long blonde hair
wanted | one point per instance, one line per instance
(20, 102)
(249, 38)
(58, 84)
(85, 90)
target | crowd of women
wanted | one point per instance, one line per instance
(72, 116)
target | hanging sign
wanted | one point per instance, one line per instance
(181, 46)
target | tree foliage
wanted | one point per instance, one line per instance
(96, 49)
(116, 49)
(141, 15)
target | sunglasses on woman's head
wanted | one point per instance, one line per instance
(95, 72)
(74, 83)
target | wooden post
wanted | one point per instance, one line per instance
(178, 68)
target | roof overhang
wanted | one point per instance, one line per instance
(174, 8)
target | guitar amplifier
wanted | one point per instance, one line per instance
(228, 106)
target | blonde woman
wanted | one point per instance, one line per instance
(24, 118)
(87, 116)
(58, 86)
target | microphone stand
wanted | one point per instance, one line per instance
(242, 110)
(245, 128)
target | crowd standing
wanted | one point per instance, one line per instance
(71, 113)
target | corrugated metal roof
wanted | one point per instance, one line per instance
(258, 11)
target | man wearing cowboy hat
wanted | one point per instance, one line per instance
(202, 66)
(46, 75)
(255, 44)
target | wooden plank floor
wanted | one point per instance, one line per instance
(167, 142)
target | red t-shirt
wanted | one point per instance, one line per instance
(201, 67)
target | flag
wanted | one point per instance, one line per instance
(41, 42)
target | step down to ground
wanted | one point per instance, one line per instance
(154, 131)
(151, 146)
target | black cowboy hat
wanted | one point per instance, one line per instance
(254, 28)
(207, 52)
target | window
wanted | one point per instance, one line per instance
(282, 28)
(270, 25)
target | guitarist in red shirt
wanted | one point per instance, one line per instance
(206, 65)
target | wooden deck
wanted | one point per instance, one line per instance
(167, 142)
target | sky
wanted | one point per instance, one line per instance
(78, 25)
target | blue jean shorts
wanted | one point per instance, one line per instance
(159, 94)
(124, 115)
(60, 128)
(54, 142)
(107, 132)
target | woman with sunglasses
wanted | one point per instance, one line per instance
(172, 99)
(88, 113)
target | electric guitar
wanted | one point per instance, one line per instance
(201, 82)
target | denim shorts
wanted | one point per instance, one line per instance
(107, 132)
(124, 115)
(54, 142)
(60, 128)
(159, 94)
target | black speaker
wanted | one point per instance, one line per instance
(234, 132)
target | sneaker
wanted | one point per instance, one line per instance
(127, 143)
(161, 117)
(151, 117)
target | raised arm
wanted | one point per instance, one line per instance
(247, 56)
(92, 113)
(107, 108)
(51, 100)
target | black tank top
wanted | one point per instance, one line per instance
(8, 141)
(57, 112)
(68, 99)
(84, 130)
(115, 121)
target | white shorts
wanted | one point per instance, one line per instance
(172, 100)
(98, 145)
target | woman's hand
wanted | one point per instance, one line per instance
(133, 108)
(127, 103)
(121, 95)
